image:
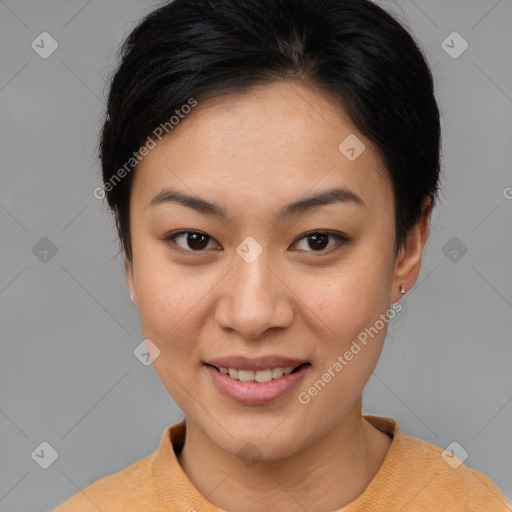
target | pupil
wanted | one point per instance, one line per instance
(194, 237)
(315, 239)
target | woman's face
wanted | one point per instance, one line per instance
(255, 286)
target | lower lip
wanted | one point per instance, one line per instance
(255, 393)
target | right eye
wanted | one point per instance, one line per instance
(194, 241)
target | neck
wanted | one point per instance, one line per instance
(326, 475)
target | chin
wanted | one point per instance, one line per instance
(264, 444)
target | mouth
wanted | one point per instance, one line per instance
(259, 381)
(258, 375)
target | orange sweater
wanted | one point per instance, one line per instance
(413, 478)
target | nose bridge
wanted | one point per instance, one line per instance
(254, 297)
(252, 277)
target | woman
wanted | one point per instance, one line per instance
(272, 166)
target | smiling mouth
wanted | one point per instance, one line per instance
(265, 375)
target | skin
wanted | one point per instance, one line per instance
(293, 301)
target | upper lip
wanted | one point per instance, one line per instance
(257, 363)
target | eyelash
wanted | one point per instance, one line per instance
(342, 240)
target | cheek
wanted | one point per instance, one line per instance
(348, 354)
(347, 299)
(174, 304)
(171, 303)
(355, 333)
(347, 307)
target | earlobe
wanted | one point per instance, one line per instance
(410, 255)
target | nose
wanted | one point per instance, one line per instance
(254, 298)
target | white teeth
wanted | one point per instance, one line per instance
(257, 375)
(245, 375)
(263, 376)
(277, 372)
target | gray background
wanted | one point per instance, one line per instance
(68, 375)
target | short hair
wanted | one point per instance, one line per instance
(186, 51)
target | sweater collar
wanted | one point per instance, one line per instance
(178, 493)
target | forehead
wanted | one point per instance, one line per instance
(270, 143)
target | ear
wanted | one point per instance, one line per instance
(128, 268)
(408, 263)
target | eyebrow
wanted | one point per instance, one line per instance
(332, 196)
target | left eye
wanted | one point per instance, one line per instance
(196, 241)
(318, 240)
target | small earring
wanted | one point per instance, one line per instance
(402, 289)
(131, 296)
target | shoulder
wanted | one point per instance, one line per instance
(444, 482)
(417, 476)
(114, 492)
